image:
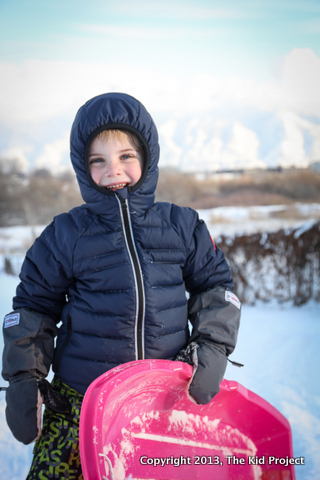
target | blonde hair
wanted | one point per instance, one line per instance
(120, 135)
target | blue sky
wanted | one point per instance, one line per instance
(178, 34)
(181, 58)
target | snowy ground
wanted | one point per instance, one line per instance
(279, 347)
(277, 344)
(230, 221)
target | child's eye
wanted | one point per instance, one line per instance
(126, 156)
(95, 160)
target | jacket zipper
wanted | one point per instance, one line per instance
(65, 343)
(137, 273)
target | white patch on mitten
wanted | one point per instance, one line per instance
(232, 298)
(11, 320)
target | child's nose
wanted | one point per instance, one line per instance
(113, 168)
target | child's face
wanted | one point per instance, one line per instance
(115, 163)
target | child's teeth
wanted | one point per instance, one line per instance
(120, 185)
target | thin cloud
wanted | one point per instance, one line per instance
(311, 26)
(36, 90)
(179, 11)
(150, 33)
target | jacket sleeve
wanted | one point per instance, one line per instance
(214, 309)
(40, 297)
(206, 266)
(215, 318)
(214, 312)
(47, 271)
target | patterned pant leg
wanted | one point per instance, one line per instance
(56, 452)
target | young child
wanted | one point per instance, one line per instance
(114, 272)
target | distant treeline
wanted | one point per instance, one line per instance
(37, 196)
(256, 187)
(34, 198)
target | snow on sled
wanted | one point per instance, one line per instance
(138, 422)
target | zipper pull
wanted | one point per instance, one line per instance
(122, 200)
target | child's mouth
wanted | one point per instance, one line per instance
(115, 187)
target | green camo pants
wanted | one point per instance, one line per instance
(56, 452)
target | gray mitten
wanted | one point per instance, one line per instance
(24, 396)
(208, 372)
(215, 316)
(23, 411)
(209, 363)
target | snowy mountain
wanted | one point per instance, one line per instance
(239, 140)
(212, 140)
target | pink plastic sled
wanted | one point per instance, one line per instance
(138, 422)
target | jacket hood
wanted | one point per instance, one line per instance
(120, 111)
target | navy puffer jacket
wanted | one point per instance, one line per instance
(115, 270)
